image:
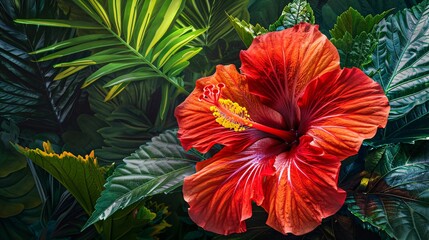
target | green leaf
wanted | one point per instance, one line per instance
(352, 22)
(90, 45)
(59, 23)
(331, 9)
(295, 12)
(246, 31)
(80, 175)
(265, 12)
(28, 92)
(83, 142)
(136, 75)
(157, 167)
(18, 191)
(106, 70)
(135, 29)
(72, 42)
(213, 15)
(399, 64)
(394, 195)
(354, 37)
(413, 126)
(355, 52)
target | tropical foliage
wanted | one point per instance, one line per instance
(91, 147)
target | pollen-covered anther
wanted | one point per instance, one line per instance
(231, 115)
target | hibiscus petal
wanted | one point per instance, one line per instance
(220, 195)
(342, 108)
(197, 125)
(304, 189)
(280, 64)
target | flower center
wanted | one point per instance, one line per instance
(232, 116)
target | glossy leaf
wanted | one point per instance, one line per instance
(399, 64)
(246, 31)
(413, 126)
(157, 167)
(28, 92)
(394, 195)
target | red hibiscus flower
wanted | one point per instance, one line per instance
(286, 123)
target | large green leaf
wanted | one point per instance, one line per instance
(28, 91)
(399, 64)
(80, 175)
(394, 193)
(157, 167)
(213, 15)
(136, 29)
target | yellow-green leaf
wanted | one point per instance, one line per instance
(80, 175)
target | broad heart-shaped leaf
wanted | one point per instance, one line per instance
(246, 31)
(28, 92)
(80, 175)
(213, 15)
(157, 167)
(295, 12)
(399, 64)
(394, 193)
(142, 34)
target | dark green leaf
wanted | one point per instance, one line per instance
(352, 22)
(413, 126)
(394, 194)
(28, 92)
(354, 37)
(264, 12)
(333, 8)
(399, 64)
(355, 52)
(157, 167)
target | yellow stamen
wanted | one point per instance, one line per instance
(231, 115)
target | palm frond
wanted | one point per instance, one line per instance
(137, 42)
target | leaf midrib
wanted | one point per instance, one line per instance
(409, 41)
